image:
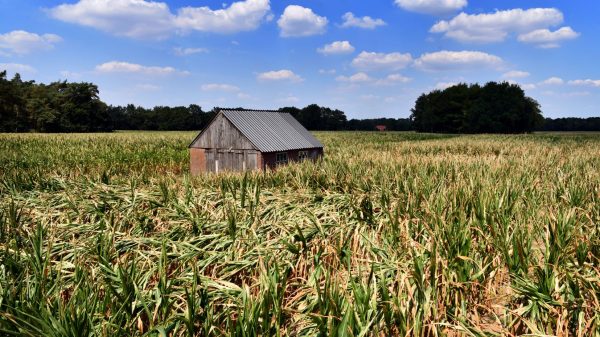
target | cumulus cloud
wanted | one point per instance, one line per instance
(131, 18)
(66, 74)
(566, 94)
(356, 78)
(380, 61)
(22, 42)
(445, 85)
(545, 38)
(527, 86)
(243, 95)
(515, 74)
(148, 19)
(337, 47)
(17, 68)
(553, 81)
(434, 7)
(362, 78)
(289, 99)
(369, 97)
(279, 75)
(586, 82)
(524, 86)
(126, 67)
(327, 71)
(497, 26)
(301, 21)
(393, 79)
(189, 51)
(450, 60)
(365, 22)
(219, 87)
(239, 16)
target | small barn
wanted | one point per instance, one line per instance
(239, 140)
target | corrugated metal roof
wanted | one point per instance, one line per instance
(272, 131)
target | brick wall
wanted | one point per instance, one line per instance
(197, 161)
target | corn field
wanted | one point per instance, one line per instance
(390, 234)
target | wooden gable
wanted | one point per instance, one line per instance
(222, 134)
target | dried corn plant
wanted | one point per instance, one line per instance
(391, 234)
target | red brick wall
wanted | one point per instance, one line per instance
(197, 161)
(259, 161)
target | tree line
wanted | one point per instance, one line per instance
(61, 106)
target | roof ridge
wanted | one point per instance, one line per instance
(244, 109)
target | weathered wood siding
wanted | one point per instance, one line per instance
(231, 160)
(221, 134)
(269, 158)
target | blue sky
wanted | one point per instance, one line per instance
(368, 58)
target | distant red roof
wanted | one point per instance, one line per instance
(381, 127)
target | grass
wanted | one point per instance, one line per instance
(391, 234)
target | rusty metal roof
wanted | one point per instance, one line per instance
(271, 131)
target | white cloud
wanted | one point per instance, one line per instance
(449, 60)
(369, 97)
(22, 42)
(393, 79)
(586, 82)
(239, 16)
(279, 75)
(356, 78)
(527, 86)
(495, 27)
(566, 94)
(131, 18)
(243, 95)
(445, 85)
(70, 75)
(362, 78)
(515, 74)
(524, 86)
(126, 67)
(220, 87)
(545, 38)
(301, 21)
(337, 47)
(148, 19)
(327, 71)
(553, 81)
(189, 51)
(366, 22)
(17, 68)
(289, 99)
(577, 93)
(434, 7)
(376, 61)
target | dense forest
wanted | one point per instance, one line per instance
(27, 106)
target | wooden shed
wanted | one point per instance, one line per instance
(239, 140)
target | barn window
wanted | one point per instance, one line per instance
(281, 158)
(302, 155)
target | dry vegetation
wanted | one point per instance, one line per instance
(392, 234)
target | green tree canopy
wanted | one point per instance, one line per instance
(492, 108)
